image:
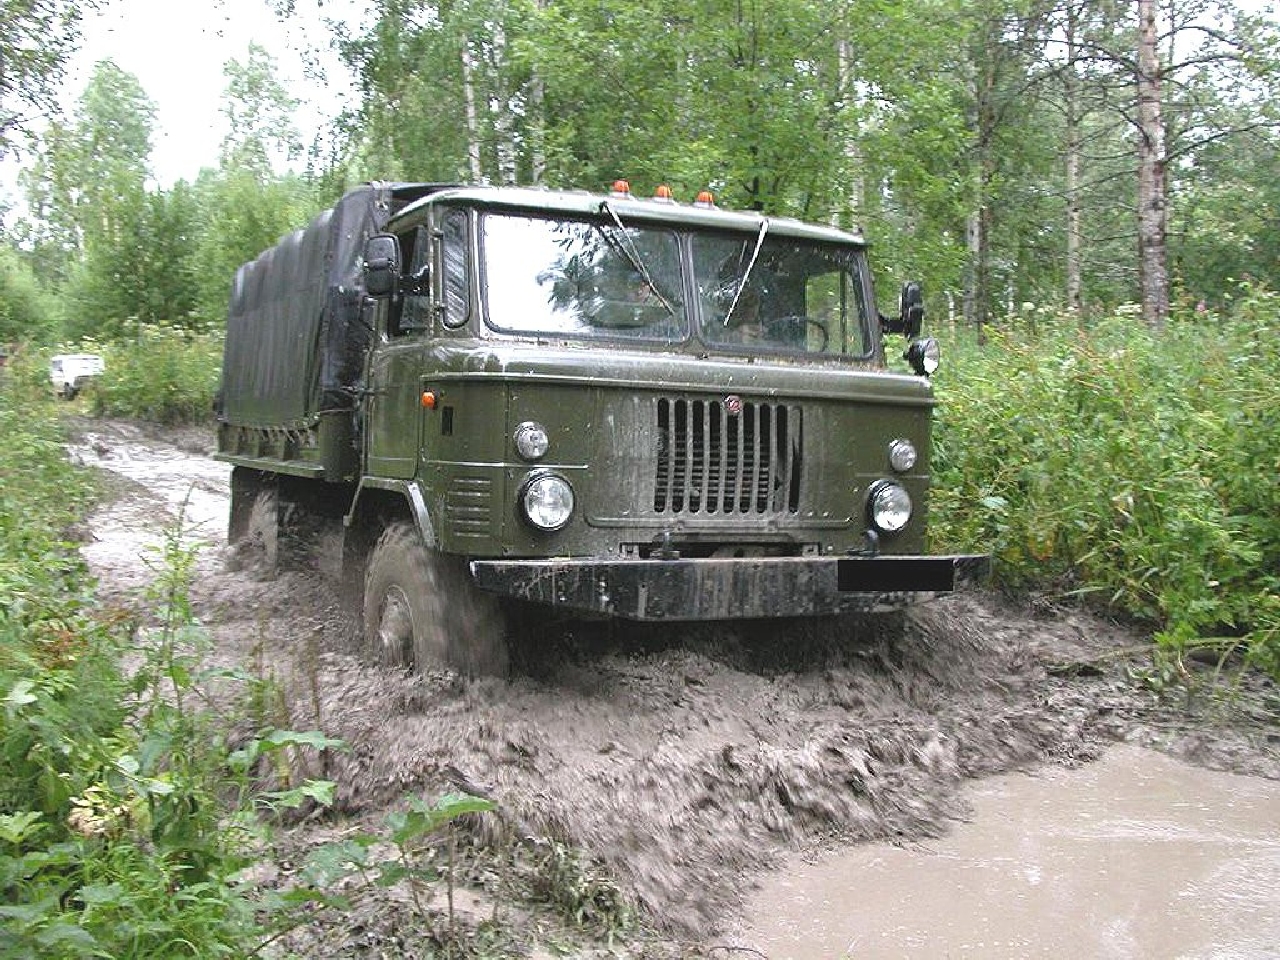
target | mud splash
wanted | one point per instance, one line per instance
(682, 762)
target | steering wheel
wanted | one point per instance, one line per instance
(783, 329)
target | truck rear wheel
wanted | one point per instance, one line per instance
(422, 610)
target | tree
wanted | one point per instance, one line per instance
(244, 206)
(38, 38)
(260, 131)
(88, 187)
(1153, 200)
(28, 311)
(1203, 72)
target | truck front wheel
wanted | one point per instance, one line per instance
(422, 609)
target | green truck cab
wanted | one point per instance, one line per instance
(614, 406)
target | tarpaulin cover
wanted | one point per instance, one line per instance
(295, 335)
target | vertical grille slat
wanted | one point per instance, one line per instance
(706, 457)
(713, 460)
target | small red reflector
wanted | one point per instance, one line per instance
(428, 400)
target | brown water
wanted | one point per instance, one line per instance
(1136, 855)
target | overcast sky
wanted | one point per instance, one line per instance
(177, 51)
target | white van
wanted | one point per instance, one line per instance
(68, 372)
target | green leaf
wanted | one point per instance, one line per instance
(311, 738)
(333, 861)
(101, 894)
(20, 695)
(19, 827)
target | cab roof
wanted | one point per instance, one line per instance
(629, 209)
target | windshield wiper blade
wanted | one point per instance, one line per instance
(628, 249)
(742, 281)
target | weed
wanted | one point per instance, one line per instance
(1135, 468)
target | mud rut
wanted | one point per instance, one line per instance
(683, 760)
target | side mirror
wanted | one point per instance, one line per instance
(381, 265)
(911, 310)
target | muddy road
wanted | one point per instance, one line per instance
(680, 764)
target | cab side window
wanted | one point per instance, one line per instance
(455, 261)
(416, 285)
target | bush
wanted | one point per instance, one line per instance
(124, 814)
(161, 374)
(1136, 467)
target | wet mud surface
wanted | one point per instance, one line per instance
(679, 762)
(1136, 855)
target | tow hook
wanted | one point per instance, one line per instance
(665, 550)
(870, 545)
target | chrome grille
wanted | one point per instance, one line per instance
(712, 461)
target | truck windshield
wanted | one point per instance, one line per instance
(796, 296)
(575, 278)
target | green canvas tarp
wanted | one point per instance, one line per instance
(296, 337)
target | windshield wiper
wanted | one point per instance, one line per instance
(742, 280)
(629, 250)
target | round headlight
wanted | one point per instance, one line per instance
(924, 356)
(902, 455)
(888, 506)
(547, 501)
(531, 440)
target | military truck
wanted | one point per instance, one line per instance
(601, 404)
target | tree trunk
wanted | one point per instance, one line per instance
(854, 186)
(1153, 210)
(977, 292)
(469, 102)
(537, 119)
(1075, 283)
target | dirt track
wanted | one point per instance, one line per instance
(682, 761)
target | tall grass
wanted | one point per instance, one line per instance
(1139, 468)
(124, 813)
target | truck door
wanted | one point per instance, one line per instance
(394, 413)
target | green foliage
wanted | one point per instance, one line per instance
(37, 42)
(123, 811)
(1104, 460)
(240, 214)
(162, 374)
(28, 309)
(413, 833)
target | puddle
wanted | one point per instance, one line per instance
(1134, 856)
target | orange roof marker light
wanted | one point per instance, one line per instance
(706, 199)
(428, 400)
(663, 194)
(621, 190)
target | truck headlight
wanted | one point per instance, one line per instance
(532, 440)
(888, 506)
(923, 355)
(902, 455)
(547, 501)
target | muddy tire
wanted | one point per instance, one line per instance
(422, 611)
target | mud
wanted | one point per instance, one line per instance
(681, 762)
(1137, 855)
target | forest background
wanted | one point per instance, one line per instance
(1073, 154)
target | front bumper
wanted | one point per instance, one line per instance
(722, 589)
